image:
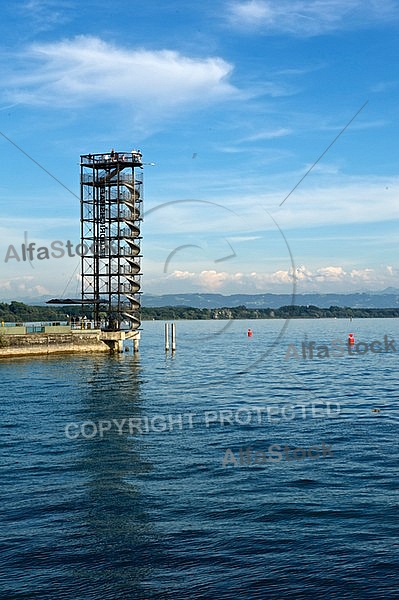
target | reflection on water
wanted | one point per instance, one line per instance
(115, 521)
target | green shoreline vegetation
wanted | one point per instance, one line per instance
(18, 312)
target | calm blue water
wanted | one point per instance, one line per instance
(155, 514)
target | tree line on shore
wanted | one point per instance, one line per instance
(20, 312)
(284, 312)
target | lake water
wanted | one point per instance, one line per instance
(114, 487)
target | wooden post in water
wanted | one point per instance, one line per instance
(166, 337)
(173, 336)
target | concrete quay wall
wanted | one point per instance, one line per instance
(30, 344)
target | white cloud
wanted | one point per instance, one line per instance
(209, 280)
(325, 198)
(308, 18)
(41, 230)
(357, 125)
(332, 272)
(44, 14)
(360, 278)
(268, 134)
(323, 279)
(22, 285)
(244, 238)
(253, 12)
(367, 201)
(383, 86)
(86, 71)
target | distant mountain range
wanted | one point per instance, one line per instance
(388, 298)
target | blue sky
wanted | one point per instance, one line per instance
(233, 101)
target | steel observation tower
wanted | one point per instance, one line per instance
(110, 215)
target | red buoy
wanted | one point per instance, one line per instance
(351, 339)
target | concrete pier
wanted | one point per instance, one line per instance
(115, 339)
(14, 341)
(135, 336)
(71, 341)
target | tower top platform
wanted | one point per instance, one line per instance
(100, 161)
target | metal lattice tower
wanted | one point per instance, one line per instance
(111, 213)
